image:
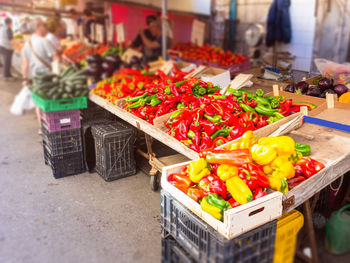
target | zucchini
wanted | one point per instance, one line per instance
(46, 77)
(51, 92)
(43, 86)
(67, 71)
(77, 93)
(68, 88)
(65, 96)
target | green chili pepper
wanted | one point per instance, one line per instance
(213, 89)
(139, 103)
(202, 91)
(221, 132)
(275, 104)
(167, 90)
(217, 96)
(263, 101)
(180, 106)
(216, 119)
(259, 93)
(191, 134)
(262, 109)
(155, 101)
(179, 83)
(246, 107)
(249, 94)
(278, 115)
(304, 149)
(133, 99)
(175, 114)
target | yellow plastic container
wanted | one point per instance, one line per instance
(288, 226)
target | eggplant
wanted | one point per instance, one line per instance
(314, 91)
(330, 91)
(301, 87)
(325, 84)
(340, 89)
(94, 58)
(289, 88)
(92, 70)
(108, 66)
(115, 59)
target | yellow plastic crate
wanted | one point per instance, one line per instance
(288, 226)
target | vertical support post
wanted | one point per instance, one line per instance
(310, 231)
(164, 36)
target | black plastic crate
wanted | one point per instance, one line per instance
(172, 252)
(62, 142)
(65, 164)
(89, 143)
(114, 146)
(95, 112)
(205, 244)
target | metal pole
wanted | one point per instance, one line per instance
(164, 36)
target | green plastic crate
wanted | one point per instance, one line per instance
(59, 105)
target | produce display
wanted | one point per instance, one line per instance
(216, 119)
(123, 84)
(208, 53)
(167, 94)
(78, 52)
(319, 88)
(227, 178)
(69, 84)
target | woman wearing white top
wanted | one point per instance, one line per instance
(54, 27)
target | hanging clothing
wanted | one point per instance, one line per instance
(279, 27)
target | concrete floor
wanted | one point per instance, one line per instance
(80, 218)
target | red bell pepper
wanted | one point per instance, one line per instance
(259, 192)
(295, 181)
(217, 186)
(236, 132)
(195, 193)
(182, 182)
(235, 157)
(204, 183)
(233, 202)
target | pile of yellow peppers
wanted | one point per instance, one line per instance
(274, 154)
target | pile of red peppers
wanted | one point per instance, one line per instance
(221, 118)
(207, 53)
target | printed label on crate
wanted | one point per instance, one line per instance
(65, 121)
(198, 31)
(120, 32)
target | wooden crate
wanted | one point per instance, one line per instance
(237, 220)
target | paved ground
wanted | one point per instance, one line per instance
(75, 219)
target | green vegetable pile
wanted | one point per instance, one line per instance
(69, 84)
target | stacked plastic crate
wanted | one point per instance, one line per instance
(187, 238)
(62, 142)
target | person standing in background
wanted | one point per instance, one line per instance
(6, 49)
(54, 28)
(137, 43)
(89, 19)
(25, 27)
(37, 53)
(73, 30)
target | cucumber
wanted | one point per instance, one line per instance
(77, 93)
(65, 96)
(46, 77)
(51, 92)
(67, 71)
(68, 88)
(56, 80)
(43, 86)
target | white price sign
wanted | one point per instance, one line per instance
(56, 67)
(110, 33)
(93, 32)
(129, 53)
(198, 31)
(99, 33)
(81, 33)
(167, 67)
(120, 32)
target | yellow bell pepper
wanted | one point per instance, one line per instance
(211, 209)
(283, 145)
(278, 184)
(263, 154)
(282, 168)
(226, 171)
(239, 190)
(247, 140)
(198, 169)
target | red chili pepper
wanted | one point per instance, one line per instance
(295, 181)
(235, 157)
(205, 142)
(205, 100)
(208, 127)
(236, 132)
(219, 141)
(259, 192)
(209, 110)
(233, 202)
(218, 109)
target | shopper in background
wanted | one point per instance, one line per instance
(38, 53)
(25, 27)
(6, 49)
(73, 30)
(54, 28)
(152, 47)
(89, 19)
(138, 43)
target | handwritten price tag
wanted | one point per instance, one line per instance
(198, 31)
(120, 32)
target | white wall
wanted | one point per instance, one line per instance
(302, 14)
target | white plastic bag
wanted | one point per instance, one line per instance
(329, 69)
(23, 101)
